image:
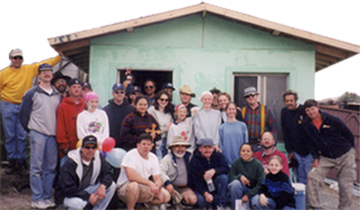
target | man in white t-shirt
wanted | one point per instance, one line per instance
(137, 167)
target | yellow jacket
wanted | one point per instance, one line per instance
(15, 82)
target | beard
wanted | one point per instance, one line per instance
(269, 147)
(179, 155)
(61, 88)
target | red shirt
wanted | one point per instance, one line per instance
(264, 159)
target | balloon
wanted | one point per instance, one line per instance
(115, 156)
(108, 144)
(79, 143)
(103, 153)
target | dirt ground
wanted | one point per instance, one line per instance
(20, 199)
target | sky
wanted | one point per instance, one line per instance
(28, 24)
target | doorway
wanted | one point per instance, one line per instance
(141, 75)
(270, 87)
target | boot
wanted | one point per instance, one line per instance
(21, 168)
(11, 167)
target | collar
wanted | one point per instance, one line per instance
(264, 153)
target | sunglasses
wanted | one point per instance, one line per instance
(248, 96)
(17, 58)
(121, 92)
(149, 87)
(163, 99)
(88, 147)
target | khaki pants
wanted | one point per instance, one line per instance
(346, 176)
(145, 194)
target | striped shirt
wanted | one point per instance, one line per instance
(133, 125)
(253, 122)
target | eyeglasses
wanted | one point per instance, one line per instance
(149, 87)
(248, 96)
(121, 92)
(87, 147)
(17, 58)
(163, 99)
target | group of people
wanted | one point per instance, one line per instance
(205, 156)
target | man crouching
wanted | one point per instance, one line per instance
(175, 172)
(85, 179)
(137, 167)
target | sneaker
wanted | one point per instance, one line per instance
(11, 167)
(50, 202)
(41, 204)
(220, 207)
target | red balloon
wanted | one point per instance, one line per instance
(108, 144)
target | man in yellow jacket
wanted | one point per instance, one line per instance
(15, 80)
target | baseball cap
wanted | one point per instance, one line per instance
(205, 142)
(89, 140)
(73, 81)
(15, 52)
(168, 85)
(118, 86)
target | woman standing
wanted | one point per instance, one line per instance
(233, 134)
(207, 120)
(183, 126)
(137, 122)
(224, 100)
(162, 112)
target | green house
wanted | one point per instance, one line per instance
(205, 46)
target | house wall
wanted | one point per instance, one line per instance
(203, 53)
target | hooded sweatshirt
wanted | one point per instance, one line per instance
(66, 124)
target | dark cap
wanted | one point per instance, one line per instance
(59, 75)
(205, 142)
(89, 140)
(74, 81)
(118, 86)
(44, 67)
(168, 85)
(86, 84)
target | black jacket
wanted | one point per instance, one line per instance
(198, 166)
(291, 122)
(69, 179)
(333, 140)
(116, 114)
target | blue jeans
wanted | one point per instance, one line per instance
(15, 134)
(237, 190)
(271, 204)
(78, 203)
(220, 193)
(304, 167)
(43, 161)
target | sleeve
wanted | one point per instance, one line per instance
(127, 138)
(105, 176)
(345, 131)
(307, 138)
(170, 135)
(286, 193)
(81, 126)
(197, 182)
(164, 169)
(198, 131)
(106, 125)
(234, 172)
(221, 136)
(222, 166)
(259, 180)
(52, 62)
(285, 131)
(68, 182)
(272, 123)
(26, 108)
(61, 134)
(157, 128)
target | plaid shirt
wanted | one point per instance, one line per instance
(253, 122)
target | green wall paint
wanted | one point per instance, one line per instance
(229, 48)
